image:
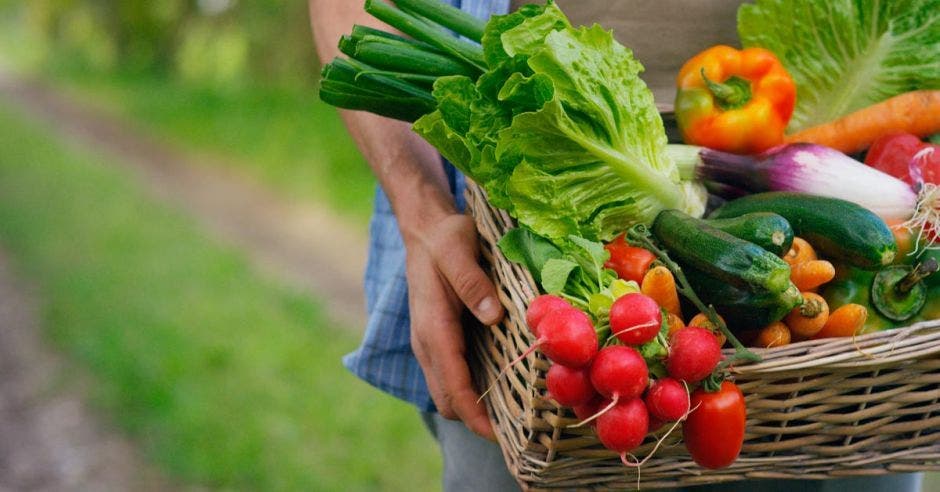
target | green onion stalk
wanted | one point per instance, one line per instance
(393, 75)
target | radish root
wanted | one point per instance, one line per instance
(507, 367)
(632, 328)
(926, 215)
(613, 403)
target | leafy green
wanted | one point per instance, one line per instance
(531, 251)
(560, 131)
(845, 55)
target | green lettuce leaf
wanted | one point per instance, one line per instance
(560, 131)
(845, 55)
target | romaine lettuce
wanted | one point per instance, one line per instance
(561, 131)
(847, 54)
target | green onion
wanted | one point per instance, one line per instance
(397, 56)
(427, 32)
(450, 17)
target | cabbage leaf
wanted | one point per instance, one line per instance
(845, 55)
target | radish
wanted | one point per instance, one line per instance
(623, 427)
(587, 410)
(619, 372)
(693, 354)
(569, 387)
(540, 307)
(655, 423)
(667, 400)
(635, 319)
(567, 337)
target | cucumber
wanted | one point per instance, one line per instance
(695, 243)
(742, 309)
(837, 228)
(767, 230)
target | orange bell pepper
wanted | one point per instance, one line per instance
(733, 100)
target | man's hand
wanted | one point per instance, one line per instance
(443, 274)
(443, 278)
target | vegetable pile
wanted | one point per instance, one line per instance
(808, 144)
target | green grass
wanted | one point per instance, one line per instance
(285, 138)
(227, 379)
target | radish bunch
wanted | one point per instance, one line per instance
(611, 387)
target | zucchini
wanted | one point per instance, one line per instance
(742, 309)
(693, 242)
(765, 229)
(839, 229)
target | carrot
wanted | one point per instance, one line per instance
(903, 236)
(811, 274)
(773, 335)
(916, 112)
(800, 252)
(701, 320)
(674, 323)
(809, 318)
(846, 321)
(659, 284)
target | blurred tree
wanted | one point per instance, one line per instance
(252, 41)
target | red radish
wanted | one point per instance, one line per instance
(542, 306)
(624, 426)
(569, 387)
(587, 410)
(655, 423)
(693, 354)
(635, 318)
(567, 337)
(619, 373)
(667, 400)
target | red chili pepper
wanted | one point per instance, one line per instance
(630, 263)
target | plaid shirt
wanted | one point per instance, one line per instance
(385, 359)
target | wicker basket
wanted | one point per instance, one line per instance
(816, 409)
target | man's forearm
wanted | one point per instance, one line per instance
(408, 169)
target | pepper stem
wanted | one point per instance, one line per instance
(730, 94)
(920, 272)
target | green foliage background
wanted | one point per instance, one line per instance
(227, 41)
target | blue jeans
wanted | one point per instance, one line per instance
(473, 464)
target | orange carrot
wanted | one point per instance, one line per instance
(773, 335)
(846, 321)
(903, 236)
(811, 274)
(916, 112)
(659, 284)
(800, 252)
(809, 318)
(701, 320)
(674, 323)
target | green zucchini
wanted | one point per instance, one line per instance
(742, 309)
(839, 229)
(695, 243)
(765, 229)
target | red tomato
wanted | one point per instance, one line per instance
(714, 431)
(630, 263)
(893, 154)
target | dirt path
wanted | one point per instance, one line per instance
(306, 246)
(49, 440)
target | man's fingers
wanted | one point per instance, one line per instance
(471, 285)
(460, 395)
